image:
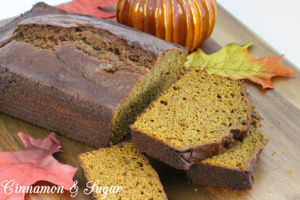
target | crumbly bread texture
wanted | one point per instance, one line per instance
(233, 168)
(197, 117)
(81, 76)
(122, 165)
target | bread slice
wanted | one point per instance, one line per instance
(197, 117)
(234, 168)
(122, 165)
(82, 76)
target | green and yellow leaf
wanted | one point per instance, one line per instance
(234, 61)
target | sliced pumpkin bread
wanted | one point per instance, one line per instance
(234, 168)
(199, 116)
(121, 165)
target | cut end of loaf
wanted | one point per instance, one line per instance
(165, 71)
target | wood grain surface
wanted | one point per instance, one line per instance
(280, 109)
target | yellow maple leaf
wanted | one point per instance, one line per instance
(234, 61)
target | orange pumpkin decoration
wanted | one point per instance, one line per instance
(185, 22)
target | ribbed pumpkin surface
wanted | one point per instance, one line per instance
(185, 22)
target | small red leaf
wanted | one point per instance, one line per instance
(32, 164)
(90, 7)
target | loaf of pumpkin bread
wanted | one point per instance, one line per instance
(199, 116)
(81, 76)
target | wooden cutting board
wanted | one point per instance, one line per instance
(276, 176)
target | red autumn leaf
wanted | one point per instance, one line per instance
(90, 7)
(32, 164)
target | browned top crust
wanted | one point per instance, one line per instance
(42, 13)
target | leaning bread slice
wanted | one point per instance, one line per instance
(197, 117)
(234, 168)
(121, 172)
